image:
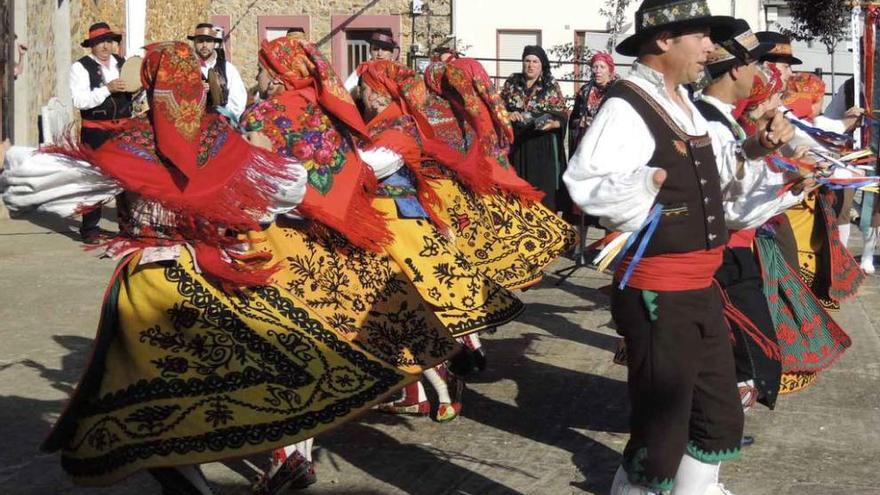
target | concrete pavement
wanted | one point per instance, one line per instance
(549, 416)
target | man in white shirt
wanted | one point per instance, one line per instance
(102, 99)
(755, 200)
(648, 166)
(233, 94)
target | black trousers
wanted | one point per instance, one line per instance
(740, 277)
(681, 381)
(94, 138)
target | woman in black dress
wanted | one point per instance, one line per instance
(538, 114)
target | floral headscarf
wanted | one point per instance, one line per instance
(309, 121)
(803, 91)
(466, 85)
(404, 127)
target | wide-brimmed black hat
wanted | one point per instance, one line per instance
(205, 30)
(742, 48)
(98, 32)
(656, 16)
(781, 51)
(383, 39)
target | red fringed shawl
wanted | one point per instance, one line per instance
(191, 163)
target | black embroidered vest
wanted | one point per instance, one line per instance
(117, 105)
(692, 218)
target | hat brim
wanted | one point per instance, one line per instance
(384, 45)
(787, 59)
(722, 28)
(193, 37)
(755, 55)
(91, 41)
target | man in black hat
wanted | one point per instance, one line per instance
(780, 54)
(647, 167)
(733, 68)
(102, 99)
(382, 47)
(229, 91)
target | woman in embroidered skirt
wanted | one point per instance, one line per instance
(798, 252)
(496, 217)
(197, 358)
(420, 272)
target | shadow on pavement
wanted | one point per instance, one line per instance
(552, 404)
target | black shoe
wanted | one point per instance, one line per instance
(747, 441)
(91, 237)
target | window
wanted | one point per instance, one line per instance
(510, 44)
(357, 47)
(270, 27)
(346, 47)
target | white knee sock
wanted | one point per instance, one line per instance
(622, 486)
(694, 477)
(843, 230)
(304, 448)
(194, 476)
(868, 250)
(439, 385)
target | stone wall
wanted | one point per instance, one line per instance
(245, 43)
(39, 66)
(165, 24)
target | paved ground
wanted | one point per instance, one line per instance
(547, 417)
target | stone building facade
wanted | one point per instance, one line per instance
(53, 30)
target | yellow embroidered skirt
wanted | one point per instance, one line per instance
(183, 373)
(363, 295)
(463, 298)
(508, 240)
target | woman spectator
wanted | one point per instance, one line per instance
(538, 114)
(590, 98)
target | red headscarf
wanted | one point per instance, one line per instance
(604, 57)
(803, 91)
(298, 121)
(763, 89)
(191, 163)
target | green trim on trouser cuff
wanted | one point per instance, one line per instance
(635, 471)
(711, 457)
(650, 298)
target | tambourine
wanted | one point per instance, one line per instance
(131, 74)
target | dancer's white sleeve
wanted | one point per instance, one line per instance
(383, 161)
(52, 183)
(288, 193)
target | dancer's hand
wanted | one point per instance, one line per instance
(774, 130)
(659, 178)
(259, 140)
(853, 117)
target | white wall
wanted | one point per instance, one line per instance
(477, 22)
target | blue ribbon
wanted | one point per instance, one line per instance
(648, 228)
(822, 134)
